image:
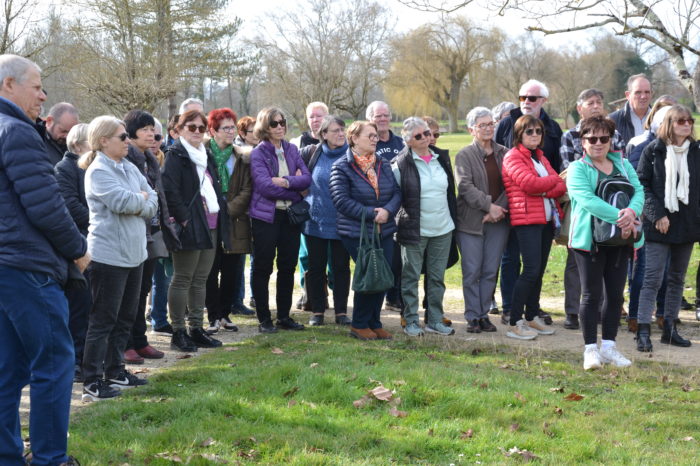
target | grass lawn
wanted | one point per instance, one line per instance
(463, 402)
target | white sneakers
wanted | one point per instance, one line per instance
(521, 331)
(593, 358)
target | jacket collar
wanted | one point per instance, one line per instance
(10, 108)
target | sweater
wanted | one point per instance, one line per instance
(390, 148)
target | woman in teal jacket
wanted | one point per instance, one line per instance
(602, 268)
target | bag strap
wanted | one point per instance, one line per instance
(376, 239)
(363, 233)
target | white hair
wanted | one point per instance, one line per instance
(191, 100)
(476, 113)
(369, 114)
(314, 105)
(15, 67)
(544, 92)
(409, 126)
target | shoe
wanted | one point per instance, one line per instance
(214, 327)
(316, 320)
(505, 318)
(486, 325)
(99, 390)
(303, 304)
(288, 324)
(521, 331)
(242, 310)
(644, 338)
(546, 318)
(685, 305)
(445, 320)
(132, 357)
(343, 320)
(591, 359)
(126, 379)
(611, 355)
(382, 334)
(149, 352)
(413, 330)
(227, 325)
(571, 322)
(539, 326)
(267, 327)
(181, 341)
(393, 307)
(660, 322)
(78, 374)
(403, 322)
(164, 331)
(493, 310)
(72, 461)
(440, 329)
(362, 333)
(473, 326)
(632, 325)
(202, 339)
(670, 335)
(251, 303)
(697, 313)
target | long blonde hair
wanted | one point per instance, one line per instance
(101, 127)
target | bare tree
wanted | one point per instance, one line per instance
(20, 26)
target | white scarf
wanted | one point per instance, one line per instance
(198, 156)
(676, 169)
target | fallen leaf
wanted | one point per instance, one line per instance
(290, 392)
(169, 456)
(143, 370)
(214, 458)
(588, 413)
(430, 356)
(313, 364)
(687, 388)
(398, 383)
(277, 351)
(395, 401)
(664, 379)
(688, 439)
(469, 433)
(505, 366)
(484, 386)
(291, 403)
(207, 442)
(574, 397)
(431, 432)
(233, 364)
(617, 443)
(557, 389)
(253, 439)
(183, 356)
(547, 431)
(476, 351)
(515, 451)
(231, 348)
(558, 410)
(362, 402)
(381, 393)
(520, 397)
(396, 413)
(514, 427)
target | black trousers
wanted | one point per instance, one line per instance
(79, 304)
(277, 239)
(223, 284)
(138, 338)
(603, 276)
(340, 266)
(535, 242)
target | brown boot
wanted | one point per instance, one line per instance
(632, 325)
(362, 333)
(382, 334)
(660, 322)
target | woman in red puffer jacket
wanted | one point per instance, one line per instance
(532, 187)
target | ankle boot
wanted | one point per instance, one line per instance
(644, 338)
(670, 335)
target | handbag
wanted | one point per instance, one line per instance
(618, 192)
(372, 271)
(299, 213)
(156, 248)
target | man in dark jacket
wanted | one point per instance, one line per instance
(61, 118)
(38, 241)
(389, 144)
(629, 120)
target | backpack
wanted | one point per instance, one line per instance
(616, 191)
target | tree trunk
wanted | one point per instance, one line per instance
(696, 89)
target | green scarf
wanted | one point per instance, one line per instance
(221, 157)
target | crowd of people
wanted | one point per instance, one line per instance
(98, 217)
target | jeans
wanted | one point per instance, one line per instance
(367, 307)
(318, 258)
(657, 255)
(115, 298)
(535, 241)
(79, 305)
(510, 270)
(159, 295)
(35, 349)
(238, 299)
(223, 284)
(393, 295)
(572, 284)
(280, 239)
(138, 339)
(636, 280)
(603, 275)
(412, 255)
(481, 255)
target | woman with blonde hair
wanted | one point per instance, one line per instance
(119, 199)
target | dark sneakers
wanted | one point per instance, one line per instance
(343, 320)
(571, 322)
(125, 379)
(486, 325)
(181, 341)
(241, 309)
(288, 324)
(473, 326)
(267, 327)
(545, 317)
(165, 331)
(316, 320)
(200, 338)
(99, 390)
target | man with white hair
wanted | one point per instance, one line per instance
(192, 103)
(60, 120)
(39, 243)
(389, 145)
(315, 112)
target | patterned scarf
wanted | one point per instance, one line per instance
(366, 164)
(221, 157)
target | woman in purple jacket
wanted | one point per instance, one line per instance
(279, 176)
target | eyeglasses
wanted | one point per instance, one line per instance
(122, 137)
(373, 137)
(194, 128)
(382, 115)
(595, 139)
(436, 135)
(248, 131)
(685, 121)
(157, 137)
(425, 133)
(336, 131)
(276, 123)
(531, 98)
(531, 131)
(486, 125)
(227, 129)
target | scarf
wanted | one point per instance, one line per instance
(198, 156)
(221, 157)
(676, 166)
(366, 164)
(334, 153)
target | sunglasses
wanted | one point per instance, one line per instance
(531, 98)
(194, 128)
(685, 121)
(122, 137)
(276, 123)
(531, 131)
(157, 137)
(425, 133)
(595, 139)
(436, 135)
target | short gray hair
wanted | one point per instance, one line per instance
(587, 94)
(476, 113)
(186, 102)
(15, 67)
(61, 108)
(328, 120)
(635, 77)
(158, 126)
(409, 125)
(544, 92)
(77, 137)
(501, 108)
(369, 114)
